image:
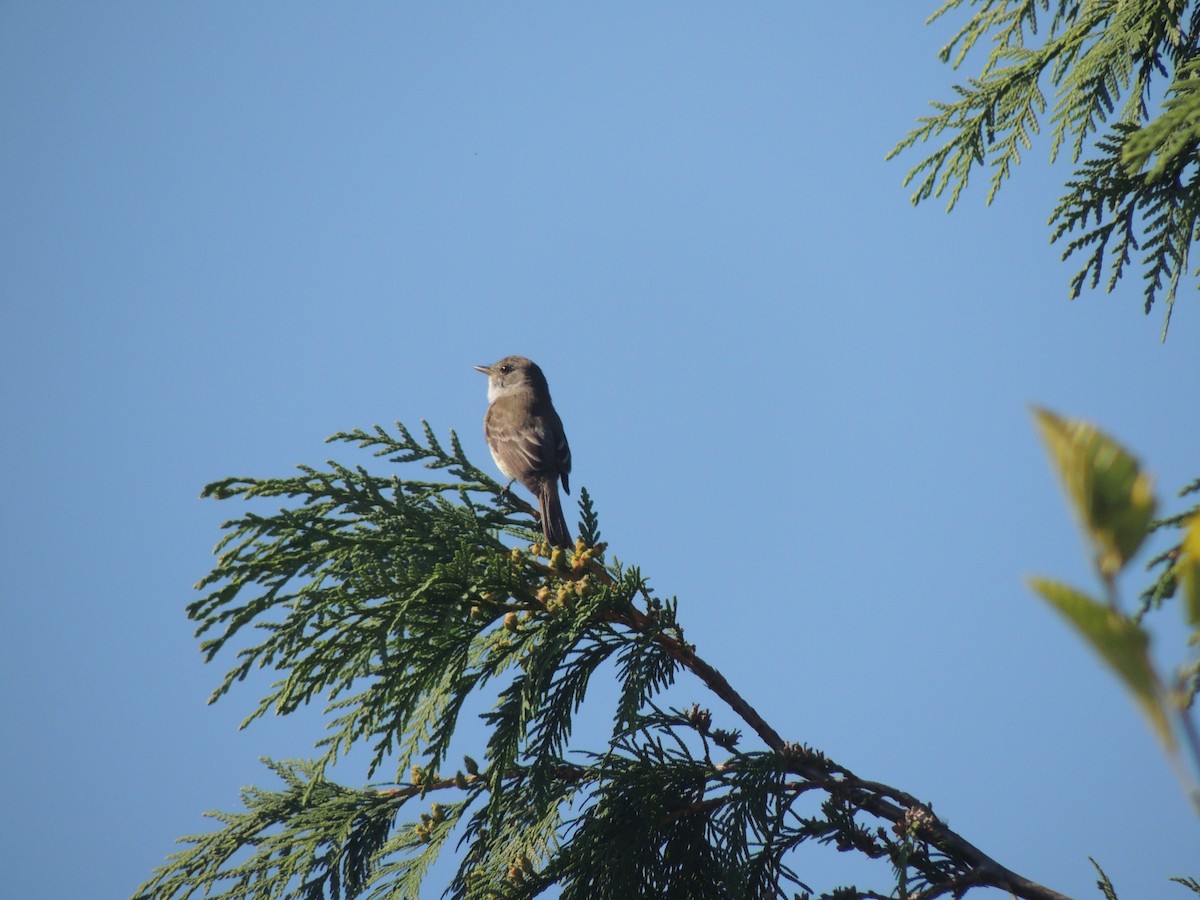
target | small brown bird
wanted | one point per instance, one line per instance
(526, 438)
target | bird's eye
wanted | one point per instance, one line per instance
(504, 370)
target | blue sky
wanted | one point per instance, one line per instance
(801, 405)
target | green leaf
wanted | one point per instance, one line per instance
(1187, 570)
(1120, 642)
(1112, 496)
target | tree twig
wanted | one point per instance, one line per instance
(878, 799)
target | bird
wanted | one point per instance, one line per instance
(526, 438)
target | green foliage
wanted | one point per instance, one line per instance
(1165, 141)
(1130, 212)
(393, 602)
(1114, 502)
(311, 840)
(1110, 893)
(1188, 568)
(1190, 883)
(1103, 882)
(1103, 62)
(1112, 497)
(1164, 587)
(1178, 565)
(1121, 642)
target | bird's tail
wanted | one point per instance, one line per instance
(554, 524)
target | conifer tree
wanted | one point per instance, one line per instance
(398, 602)
(1117, 84)
(395, 602)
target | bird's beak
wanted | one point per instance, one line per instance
(486, 370)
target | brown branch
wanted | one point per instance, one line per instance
(957, 886)
(878, 799)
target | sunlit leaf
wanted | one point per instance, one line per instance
(1112, 496)
(1187, 570)
(1120, 641)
